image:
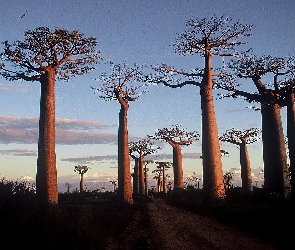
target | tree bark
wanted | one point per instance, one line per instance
(274, 151)
(177, 166)
(135, 178)
(141, 175)
(82, 183)
(212, 167)
(245, 168)
(46, 177)
(124, 175)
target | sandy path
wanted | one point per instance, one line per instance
(178, 229)
(164, 227)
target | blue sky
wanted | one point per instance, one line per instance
(131, 31)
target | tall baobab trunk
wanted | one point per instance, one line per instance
(177, 166)
(274, 151)
(82, 183)
(135, 177)
(245, 167)
(145, 181)
(140, 176)
(46, 178)
(212, 167)
(291, 137)
(164, 179)
(124, 175)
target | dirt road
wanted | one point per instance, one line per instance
(161, 227)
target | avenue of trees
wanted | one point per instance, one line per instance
(48, 55)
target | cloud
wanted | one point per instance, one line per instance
(19, 152)
(68, 132)
(88, 159)
(13, 88)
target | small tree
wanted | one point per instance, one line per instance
(242, 138)
(160, 170)
(68, 186)
(45, 56)
(81, 170)
(123, 84)
(227, 180)
(138, 150)
(176, 137)
(114, 182)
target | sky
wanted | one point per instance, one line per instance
(131, 31)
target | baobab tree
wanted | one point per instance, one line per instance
(241, 139)
(160, 176)
(123, 84)
(287, 89)
(176, 137)
(207, 37)
(68, 186)
(81, 170)
(145, 171)
(138, 150)
(276, 175)
(114, 183)
(44, 56)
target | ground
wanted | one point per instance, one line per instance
(161, 226)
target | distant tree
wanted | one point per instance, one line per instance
(145, 170)
(138, 150)
(81, 170)
(160, 172)
(276, 175)
(176, 137)
(114, 182)
(227, 179)
(241, 139)
(216, 36)
(123, 84)
(45, 56)
(68, 186)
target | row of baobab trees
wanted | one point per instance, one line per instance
(47, 55)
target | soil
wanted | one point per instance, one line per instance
(160, 226)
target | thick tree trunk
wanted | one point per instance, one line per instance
(46, 178)
(291, 138)
(177, 166)
(245, 168)
(82, 183)
(145, 181)
(141, 176)
(124, 175)
(274, 151)
(164, 180)
(214, 192)
(135, 178)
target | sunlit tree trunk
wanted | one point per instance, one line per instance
(291, 138)
(212, 167)
(274, 151)
(245, 168)
(82, 183)
(135, 177)
(46, 178)
(124, 175)
(177, 166)
(164, 180)
(141, 176)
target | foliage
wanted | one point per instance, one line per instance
(69, 53)
(235, 136)
(122, 82)
(228, 178)
(81, 169)
(176, 135)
